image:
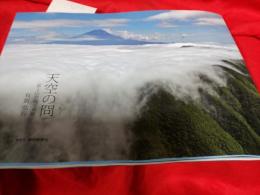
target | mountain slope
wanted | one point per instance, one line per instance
(226, 123)
(101, 37)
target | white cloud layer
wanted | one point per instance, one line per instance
(179, 15)
(197, 17)
(137, 36)
(210, 21)
(102, 86)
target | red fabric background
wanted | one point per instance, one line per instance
(227, 177)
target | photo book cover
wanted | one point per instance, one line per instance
(125, 88)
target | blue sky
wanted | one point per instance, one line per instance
(166, 26)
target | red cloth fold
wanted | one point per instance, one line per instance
(226, 177)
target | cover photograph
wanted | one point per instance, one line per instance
(136, 87)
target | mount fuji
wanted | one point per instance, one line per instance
(101, 37)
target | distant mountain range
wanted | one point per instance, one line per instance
(101, 37)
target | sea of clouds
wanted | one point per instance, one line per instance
(98, 92)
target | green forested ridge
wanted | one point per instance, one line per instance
(225, 123)
(222, 120)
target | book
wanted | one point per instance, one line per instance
(136, 87)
